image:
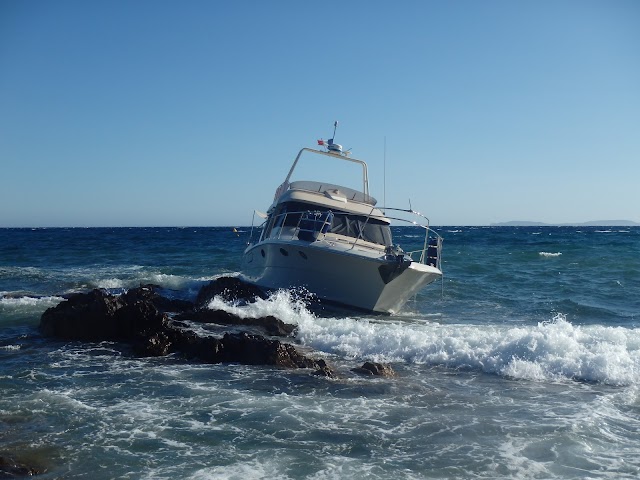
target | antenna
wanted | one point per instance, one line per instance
(335, 126)
(384, 176)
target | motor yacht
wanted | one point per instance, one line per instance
(335, 242)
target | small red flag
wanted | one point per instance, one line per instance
(320, 142)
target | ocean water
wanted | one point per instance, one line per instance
(524, 362)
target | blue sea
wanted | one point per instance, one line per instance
(523, 363)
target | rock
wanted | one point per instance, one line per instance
(272, 325)
(149, 292)
(374, 368)
(155, 345)
(82, 317)
(191, 345)
(97, 316)
(133, 318)
(11, 468)
(231, 289)
(324, 370)
(256, 350)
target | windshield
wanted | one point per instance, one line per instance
(350, 225)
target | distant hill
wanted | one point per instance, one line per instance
(595, 223)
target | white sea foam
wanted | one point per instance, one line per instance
(15, 307)
(549, 351)
(287, 305)
(131, 277)
(246, 470)
(549, 254)
(10, 348)
(108, 283)
(29, 301)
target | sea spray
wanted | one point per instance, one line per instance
(549, 351)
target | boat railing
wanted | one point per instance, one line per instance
(430, 253)
(314, 225)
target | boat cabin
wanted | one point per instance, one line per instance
(308, 222)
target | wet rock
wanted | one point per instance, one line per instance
(374, 368)
(256, 350)
(324, 370)
(97, 316)
(149, 292)
(11, 468)
(231, 289)
(157, 344)
(191, 345)
(82, 317)
(134, 318)
(271, 325)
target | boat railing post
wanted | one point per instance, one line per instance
(296, 232)
(425, 246)
(361, 232)
(282, 224)
(253, 218)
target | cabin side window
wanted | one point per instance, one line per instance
(357, 226)
(285, 215)
(350, 225)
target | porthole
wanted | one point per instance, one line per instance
(284, 252)
(302, 254)
(262, 253)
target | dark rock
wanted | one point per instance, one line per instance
(155, 345)
(149, 292)
(97, 316)
(231, 289)
(272, 325)
(82, 317)
(191, 345)
(11, 468)
(256, 350)
(324, 370)
(374, 368)
(133, 318)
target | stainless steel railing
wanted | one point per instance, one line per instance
(289, 225)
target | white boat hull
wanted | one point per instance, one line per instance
(350, 277)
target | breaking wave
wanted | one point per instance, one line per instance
(548, 351)
(554, 350)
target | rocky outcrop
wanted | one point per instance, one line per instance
(231, 289)
(374, 368)
(135, 318)
(97, 316)
(12, 468)
(156, 326)
(324, 370)
(257, 350)
(270, 324)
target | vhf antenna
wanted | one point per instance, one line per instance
(335, 126)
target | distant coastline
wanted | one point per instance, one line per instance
(595, 223)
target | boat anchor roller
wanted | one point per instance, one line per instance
(396, 263)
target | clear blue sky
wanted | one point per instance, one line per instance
(137, 113)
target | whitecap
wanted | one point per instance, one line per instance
(10, 347)
(549, 254)
(13, 306)
(288, 305)
(552, 350)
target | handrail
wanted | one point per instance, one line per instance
(362, 163)
(362, 229)
(432, 240)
